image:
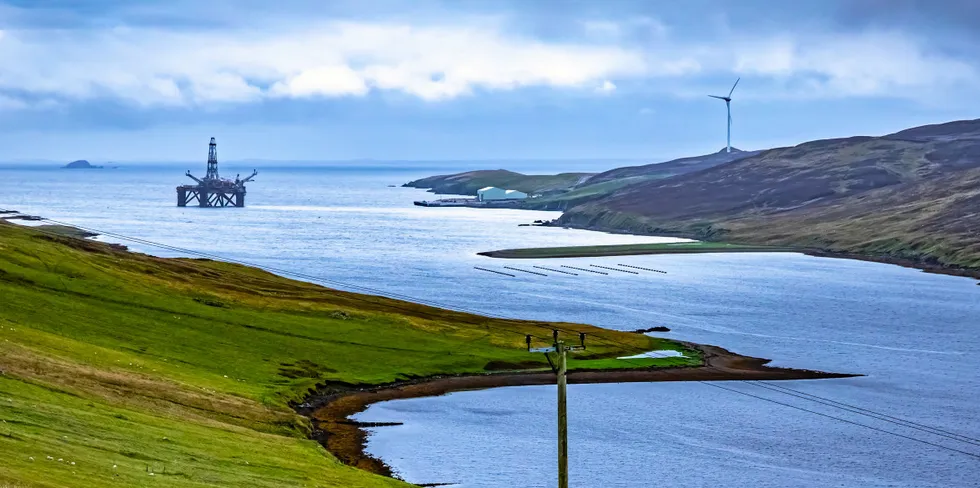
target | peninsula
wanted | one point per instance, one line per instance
(629, 250)
(908, 198)
(117, 366)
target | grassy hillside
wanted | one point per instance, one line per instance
(469, 182)
(120, 369)
(911, 195)
(673, 167)
(566, 190)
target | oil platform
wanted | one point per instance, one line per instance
(213, 190)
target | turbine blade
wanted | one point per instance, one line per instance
(716, 96)
(733, 87)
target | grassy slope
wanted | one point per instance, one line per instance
(469, 182)
(931, 222)
(566, 190)
(671, 168)
(126, 364)
(582, 194)
(911, 195)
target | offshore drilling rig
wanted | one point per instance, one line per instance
(213, 191)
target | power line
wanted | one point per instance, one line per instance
(830, 403)
(866, 412)
(977, 456)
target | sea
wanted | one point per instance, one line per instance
(913, 336)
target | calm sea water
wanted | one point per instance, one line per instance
(914, 335)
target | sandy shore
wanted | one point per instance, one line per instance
(331, 407)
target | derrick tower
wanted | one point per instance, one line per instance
(213, 190)
(212, 161)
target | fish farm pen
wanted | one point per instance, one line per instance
(213, 190)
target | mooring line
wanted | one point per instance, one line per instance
(556, 270)
(640, 267)
(614, 269)
(583, 269)
(495, 271)
(525, 271)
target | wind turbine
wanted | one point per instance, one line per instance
(728, 105)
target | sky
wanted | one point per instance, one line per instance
(116, 80)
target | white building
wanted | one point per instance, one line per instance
(494, 193)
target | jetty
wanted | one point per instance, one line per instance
(469, 202)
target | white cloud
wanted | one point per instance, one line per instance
(327, 81)
(153, 67)
(863, 64)
(606, 87)
(150, 67)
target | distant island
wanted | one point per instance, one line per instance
(80, 164)
(907, 198)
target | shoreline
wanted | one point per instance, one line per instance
(331, 406)
(610, 250)
(820, 253)
(941, 269)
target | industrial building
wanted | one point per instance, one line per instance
(213, 190)
(493, 193)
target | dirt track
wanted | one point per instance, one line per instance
(331, 408)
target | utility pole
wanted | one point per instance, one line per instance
(562, 417)
(560, 350)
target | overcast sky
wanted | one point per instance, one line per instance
(456, 79)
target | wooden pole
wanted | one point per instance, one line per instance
(562, 418)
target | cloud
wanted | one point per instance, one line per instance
(606, 87)
(157, 67)
(10, 103)
(872, 63)
(150, 66)
(602, 29)
(327, 81)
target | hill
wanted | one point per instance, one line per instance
(913, 195)
(469, 182)
(565, 190)
(121, 369)
(673, 167)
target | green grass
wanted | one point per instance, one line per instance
(186, 367)
(628, 249)
(55, 438)
(582, 194)
(469, 182)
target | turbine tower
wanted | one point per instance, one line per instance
(728, 105)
